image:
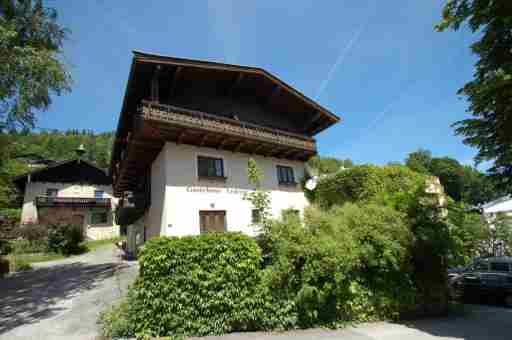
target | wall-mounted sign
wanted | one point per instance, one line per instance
(215, 190)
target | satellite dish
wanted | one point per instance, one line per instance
(311, 183)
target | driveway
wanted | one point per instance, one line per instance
(62, 299)
(478, 323)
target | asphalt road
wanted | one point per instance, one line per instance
(62, 299)
(477, 323)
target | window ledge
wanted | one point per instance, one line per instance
(213, 178)
(288, 184)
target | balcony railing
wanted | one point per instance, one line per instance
(85, 202)
(205, 121)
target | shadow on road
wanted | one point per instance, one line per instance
(479, 322)
(43, 293)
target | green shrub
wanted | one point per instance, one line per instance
(366, 183)
(5, 247)
(22, 246)
(347, 264)
(33, 232)
(65, 238)
(199, 285)
(115, 322)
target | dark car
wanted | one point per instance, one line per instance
(489, 277)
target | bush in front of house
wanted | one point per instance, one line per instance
(65, 238)
(347, 264)
(199, 285)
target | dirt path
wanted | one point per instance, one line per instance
(61, 299)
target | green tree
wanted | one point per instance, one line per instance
(419, 161)
(328, 165)
(489, 93)
(31, 69)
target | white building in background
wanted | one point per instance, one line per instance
(69, 192)
(501, 205)
(490, 211)
(185, 135)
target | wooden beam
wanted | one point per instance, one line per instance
(235, 84)
(175, 78)
(222, 143)
(318, 128)
(203, 140)
(238, 147)
(275, 92)
(155, 96)
(314, 119)
(182, 134)
(259, 148)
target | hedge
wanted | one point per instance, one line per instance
(199, 285)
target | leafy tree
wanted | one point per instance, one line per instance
(259, 198)
(489, 93)
(328, 165)
(461, 182)
(30, 66)
(419, 161)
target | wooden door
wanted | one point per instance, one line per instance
(212, 221)
(79, 221)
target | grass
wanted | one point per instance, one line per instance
(23, 260)
(93, 245)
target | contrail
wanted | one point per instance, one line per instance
(341, 57)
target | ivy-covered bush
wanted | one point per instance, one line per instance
(65, 238)
(198, 285)
(347, 264)
(366, 183)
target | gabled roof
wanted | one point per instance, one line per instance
(208, 65)
(69, 171)
(308, 116)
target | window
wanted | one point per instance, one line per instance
(98, 193)
(212, 221)
(210, 167)
(52, 192)
(256, 216)
(99, 217)
(481, 265)
(500, 266)
(285, 175)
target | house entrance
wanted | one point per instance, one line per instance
(212, 221)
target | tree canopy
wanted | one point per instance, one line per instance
(31, 69)
(490, 91)
(461, 182)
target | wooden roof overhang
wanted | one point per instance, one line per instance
(69, 171)
(148, 120)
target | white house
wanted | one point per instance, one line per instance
(69, 192)
(185, 134)
(501, 205)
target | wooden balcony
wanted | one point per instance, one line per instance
(189, 119)
(75, 202)
(155, 124)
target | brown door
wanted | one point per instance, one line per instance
(212, 221)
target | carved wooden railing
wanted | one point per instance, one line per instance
(54, 201)
(205, 121)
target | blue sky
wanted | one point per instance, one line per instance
(378, 64)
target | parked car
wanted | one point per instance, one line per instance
(489, 277)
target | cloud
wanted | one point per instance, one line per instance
(226, 27)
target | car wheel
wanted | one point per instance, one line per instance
(508, 300)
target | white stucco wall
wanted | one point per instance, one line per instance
(177, 213)
(29, 213)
